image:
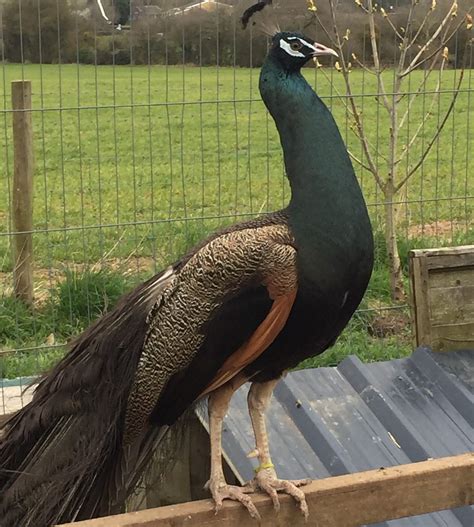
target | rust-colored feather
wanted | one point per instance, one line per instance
(263, 336)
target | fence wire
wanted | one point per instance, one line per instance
(149, 133)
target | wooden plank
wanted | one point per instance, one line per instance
(443, 251)
(22, 192)
(413, 275)
(450, 278)
(450, 261)
(343, 501)
(419, 300)
(453, 336)
(449, 305)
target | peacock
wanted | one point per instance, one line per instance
(246, 305)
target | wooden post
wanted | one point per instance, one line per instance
(22, 195)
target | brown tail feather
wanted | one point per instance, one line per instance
(61, 455)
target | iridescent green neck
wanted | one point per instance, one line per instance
(326, 211)
(316, 160)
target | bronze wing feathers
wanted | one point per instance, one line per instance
(180, 359)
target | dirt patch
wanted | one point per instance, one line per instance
(441, 228)
(388, 321)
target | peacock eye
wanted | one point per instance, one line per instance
(296, 45)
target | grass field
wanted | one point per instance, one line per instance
(82, 296)
(109, 158)
(141, 163)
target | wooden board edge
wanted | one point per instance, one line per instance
(420, 301)
(343, 501)
(443, 251)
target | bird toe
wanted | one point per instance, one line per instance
(220, 491)
(269, 483)
(269, 487)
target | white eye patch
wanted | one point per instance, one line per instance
(294, 53)
(303, 41)
(284, 45)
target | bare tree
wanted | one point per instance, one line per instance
(422, 44)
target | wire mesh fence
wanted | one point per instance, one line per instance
(149, 133)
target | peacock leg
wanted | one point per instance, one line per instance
(265, 478)
(220, 490)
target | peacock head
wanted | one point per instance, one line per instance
(293, 50)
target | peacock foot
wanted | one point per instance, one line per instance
(267, 481)
(221, 491)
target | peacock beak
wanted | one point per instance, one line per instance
(320, 49)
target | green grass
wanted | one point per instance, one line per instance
(74, 302)
(180, 170)
(82, 296)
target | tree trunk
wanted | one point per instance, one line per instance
(396, 278)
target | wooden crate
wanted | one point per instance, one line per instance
(442, 297)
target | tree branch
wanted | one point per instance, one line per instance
(425, 118)
(404, 47)
(412, 98)
(436, 135)
(362, 65)
(391, 24)
(414, 63)
(359, 162)
(422, 25)
(355, 112)
(375, 54)
(444, 41)
(321, 25)
(355, 130)
(361, 5)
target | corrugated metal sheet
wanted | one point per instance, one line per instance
(330, 421)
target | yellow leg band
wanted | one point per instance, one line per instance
(263, 466)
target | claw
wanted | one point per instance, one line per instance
(267, 480)
(274, 497)
(221, 491)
